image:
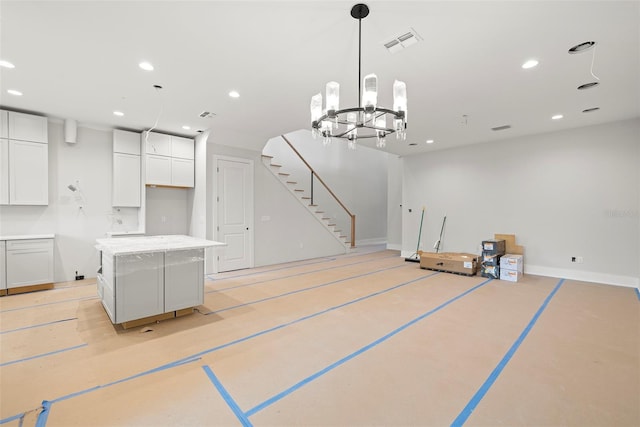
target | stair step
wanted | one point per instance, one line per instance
(299, 190)
(319, 212)
(325, 218)
(291, 182)
(275, 165)
(283, 174)
(308, 198)
(267, 157)
(313, 206)
(331, 225)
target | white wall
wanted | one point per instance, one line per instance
(394, 204)
(357, 177)
(167, 211)
(563, 194)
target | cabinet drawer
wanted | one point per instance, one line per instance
(13, 245)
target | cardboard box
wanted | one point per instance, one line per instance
(510, 275)
(450, 262)
(512, 262)
(493, 247)
(490, 271)
(490, 259)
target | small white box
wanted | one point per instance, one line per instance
(512, 262)
(510, 275)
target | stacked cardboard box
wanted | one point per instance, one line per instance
(511, 267)
(492, 250)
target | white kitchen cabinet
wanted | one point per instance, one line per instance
(126, 180)
(3, 265)
(4, 124)
(182, 148)
(182, 172)
(4, 171)
(183, 279)
(126, 142)
(158, 170)
(139, 286)
(157, 143)
(29, 262)
(27, 127)
(28, 173)
(169, 160)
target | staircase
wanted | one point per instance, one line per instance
(294, 188)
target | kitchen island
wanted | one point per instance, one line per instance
(150, 278)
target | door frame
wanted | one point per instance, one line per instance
(250, 208)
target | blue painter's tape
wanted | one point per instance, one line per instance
(37, 356)
(11, 418)
(638, 293)
(197, 356)
(48, 303)
(475, 400)
(356, 353)
(227, 397)
(297, 291)
(302, 274)
(38, 325)
(42, 417)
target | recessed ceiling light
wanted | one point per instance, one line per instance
(429, 141)
(147, 66)
(557, 117)
(14, 92)
(234, 94)
(590, 110)
(185, 127)
(118, 113)
(588, 85)
(7, 64)
(582, 47)
(530, 64)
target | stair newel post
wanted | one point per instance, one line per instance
(353, 231)
(312, 187)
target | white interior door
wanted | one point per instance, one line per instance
(234, 213)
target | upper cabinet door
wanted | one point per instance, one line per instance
(4, 124)
(157, 143)
(182, 147)
(28, 173)
(27, 127)
(126, 142)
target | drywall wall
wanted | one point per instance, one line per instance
(357, 177)
(166, 211)
(564, 194)
(394, 203)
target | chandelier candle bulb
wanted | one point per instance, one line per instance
(370, 95)
(333, 98)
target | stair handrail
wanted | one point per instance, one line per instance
(314, 173)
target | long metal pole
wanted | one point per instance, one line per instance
(359, 62)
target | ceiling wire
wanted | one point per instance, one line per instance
(146, 135)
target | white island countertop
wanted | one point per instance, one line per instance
(143, 244)
(28, 237)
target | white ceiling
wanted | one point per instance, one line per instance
(79, 60)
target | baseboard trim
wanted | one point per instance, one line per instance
(583, 276)
(365, 242)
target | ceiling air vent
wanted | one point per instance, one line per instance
(207, 114)
(505, 127)
(402, 41)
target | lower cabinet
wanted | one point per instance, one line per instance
(3, 266)
(134, 286)
(29, 262)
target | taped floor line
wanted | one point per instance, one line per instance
(198, 355)
(638, 293)
(48, 303)
(38, 325)
(38, 356)
(484, 388)
(356, 353)
(227, 397)
(303, 290)
(294, 275)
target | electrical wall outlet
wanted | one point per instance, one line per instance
(577, 259)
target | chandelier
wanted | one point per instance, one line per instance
(367, 120)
